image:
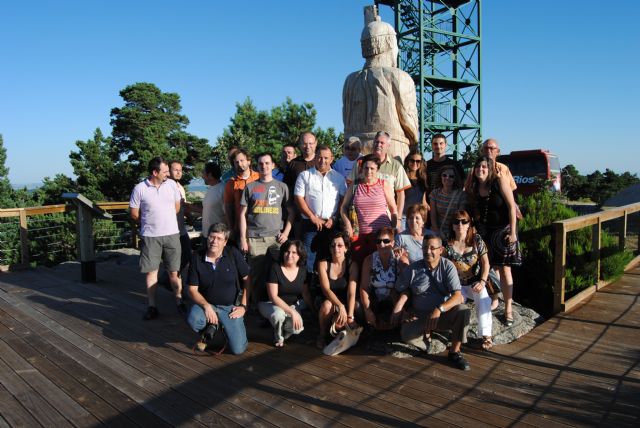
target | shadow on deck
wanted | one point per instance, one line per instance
(79, 354)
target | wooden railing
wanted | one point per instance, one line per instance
(595, 220)
(23, 215)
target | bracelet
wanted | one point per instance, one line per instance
(483, 280)
(351, 317)
(241, 305)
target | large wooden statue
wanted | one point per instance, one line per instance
(380, 97)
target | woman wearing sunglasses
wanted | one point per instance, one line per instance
(416, 170)
(466, 249)
(445, 200)
(377, 283)
(494, 211)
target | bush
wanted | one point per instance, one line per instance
(534, 278)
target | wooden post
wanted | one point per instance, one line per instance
(622, 237)
(596, 234)
(559, 261)
(24, 238)
(84, 227)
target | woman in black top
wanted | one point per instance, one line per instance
(338, 279)
(494, 210)
(286, 292)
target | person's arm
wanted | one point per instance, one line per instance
(434, 214)
(351, 293)
(240, 311)
(344, 211)
(455, 299)
(244, 245)
(391, 204)
(284, 235)
(400, 197)
(484, 273)
(135, 214)
(178, 206)
(365, 279)
(507, 195)
(304, 209)
(198, 299)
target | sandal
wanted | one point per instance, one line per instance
(487, 342)
(495, 301)
(508, 319)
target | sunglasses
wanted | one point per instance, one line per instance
(383, 241)
(460, 221)
(415, 160)
(448, 176)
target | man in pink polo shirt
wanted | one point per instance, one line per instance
(154, 203)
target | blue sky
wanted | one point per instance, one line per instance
(556, 75)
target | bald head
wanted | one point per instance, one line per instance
(490, 148)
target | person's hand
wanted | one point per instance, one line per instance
(478, 286)
(282, 238)
(244, 245)
(297, 320)
(511, 238)
(237, 312)
(317, 221)
(341, 318)
(408, 316)
(348, 229)
(432, 323)
(329, 223)
(210, 314)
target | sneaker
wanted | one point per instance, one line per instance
(182, 308)
(458, 361)
(151, 314)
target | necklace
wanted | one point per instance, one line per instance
(485, 199)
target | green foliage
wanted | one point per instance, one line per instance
(149, 124)
(267, 131)
(535, 277)
(597, 187)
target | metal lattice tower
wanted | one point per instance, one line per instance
(439, 43)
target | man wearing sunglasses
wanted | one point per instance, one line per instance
(432, 288)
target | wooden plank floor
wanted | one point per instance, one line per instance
(74, 354)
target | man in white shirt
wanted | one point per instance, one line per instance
(351, 150)
(318, 193)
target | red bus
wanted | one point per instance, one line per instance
(532, 168)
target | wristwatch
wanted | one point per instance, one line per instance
(441, 309)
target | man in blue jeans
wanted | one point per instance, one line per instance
(216, 277)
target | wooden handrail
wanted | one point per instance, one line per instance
(560, 230)
(24, 213)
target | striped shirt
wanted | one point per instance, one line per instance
(371, 207)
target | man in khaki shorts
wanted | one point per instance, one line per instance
(154, 203)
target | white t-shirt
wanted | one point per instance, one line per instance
(213, 207)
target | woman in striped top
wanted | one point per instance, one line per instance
(375, 207)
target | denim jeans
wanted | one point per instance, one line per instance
(277, 317)
(233, 328)
(315, 243)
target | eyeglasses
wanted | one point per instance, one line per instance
(415, 160)
(448, 176)
(425, 249)
(383, 241)
(491, 148)
(460, 221)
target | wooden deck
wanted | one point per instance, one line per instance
(75, 354)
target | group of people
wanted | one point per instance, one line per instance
(362, 241)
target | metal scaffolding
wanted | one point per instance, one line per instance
(439, 43)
